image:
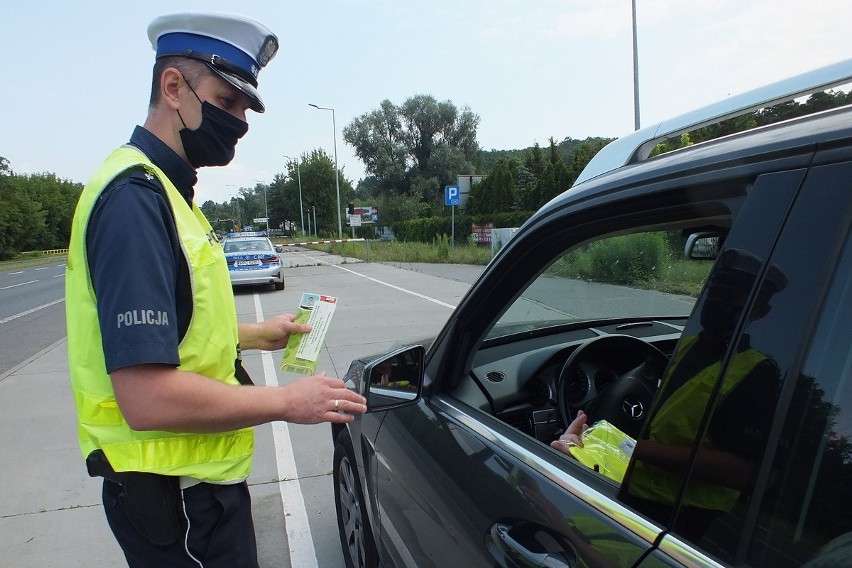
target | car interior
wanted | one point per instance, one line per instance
(576, 339)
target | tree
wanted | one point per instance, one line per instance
(221, 216)
(417, 147)
(583, 155)
(527, 190)
(253, 204)
(35, 211)
(57, 200)
(281, 196)
(378, 139)
(397, 208)
(555, 177)
(316, 170)
(496, 192)
(534, 161)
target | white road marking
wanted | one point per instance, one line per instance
(439, 302)
(37, 308)
(21, 284)
(301, 543)
(19, 272)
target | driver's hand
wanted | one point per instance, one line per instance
(572, 436)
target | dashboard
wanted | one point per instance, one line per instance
(523, 379)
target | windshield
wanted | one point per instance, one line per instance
(248, 245)
(641, 275)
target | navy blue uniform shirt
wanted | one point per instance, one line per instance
(139, 273)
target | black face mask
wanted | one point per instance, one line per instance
(213, 143)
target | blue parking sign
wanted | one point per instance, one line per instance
(452, 195)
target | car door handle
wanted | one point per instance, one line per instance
(520, 546)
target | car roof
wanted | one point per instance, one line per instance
(795, 140)
(638, 145)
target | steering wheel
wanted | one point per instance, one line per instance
(612, 378)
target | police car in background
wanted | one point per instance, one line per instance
(742, 449)
(253, 260)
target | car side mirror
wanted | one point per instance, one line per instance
(703, 246)
(395, 379)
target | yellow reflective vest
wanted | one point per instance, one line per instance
(676, 424)
(209, 347)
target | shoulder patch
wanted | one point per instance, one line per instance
(141, 177)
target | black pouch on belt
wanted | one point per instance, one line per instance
(151, 502)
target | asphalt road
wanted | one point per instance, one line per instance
(50, 511)
(32, 311)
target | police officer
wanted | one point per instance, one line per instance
(165, 409)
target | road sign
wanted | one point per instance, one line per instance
(355, 220)
(452, 196)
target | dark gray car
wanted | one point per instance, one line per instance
(696, 307)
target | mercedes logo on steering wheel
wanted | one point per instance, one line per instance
(633, 408)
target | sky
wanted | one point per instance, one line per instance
(77, 74)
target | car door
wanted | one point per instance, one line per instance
(797, 506)
(454, 492)
(458, 486)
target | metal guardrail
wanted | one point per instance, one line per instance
(321, 242)
(330, 241)
(27, 253)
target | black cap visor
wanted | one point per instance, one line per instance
(256, 103)
(231, 73)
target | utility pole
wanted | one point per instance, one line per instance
(635, 72)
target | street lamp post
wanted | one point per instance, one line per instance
(299, 177)
(237, 202)
(265, 204)
(635, 73)
(336, 171)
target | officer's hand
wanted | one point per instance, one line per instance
(311, 400)
(272, 334)
(572, 436)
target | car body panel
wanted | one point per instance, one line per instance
(438, 499)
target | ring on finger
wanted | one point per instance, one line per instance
(336, 404)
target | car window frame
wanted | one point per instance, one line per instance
(818, 199)
(452, 354)
(793, 240)
(770, 199)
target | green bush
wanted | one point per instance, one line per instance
(437, 252)
(629, 259)
(427, 229)
(442, 243)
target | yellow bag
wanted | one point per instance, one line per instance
(606, 449)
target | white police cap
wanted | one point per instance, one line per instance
(234, 47)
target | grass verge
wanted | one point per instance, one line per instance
(679, 276)
(28, 260)
(439, 252)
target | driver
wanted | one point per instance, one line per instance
(735, 440)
